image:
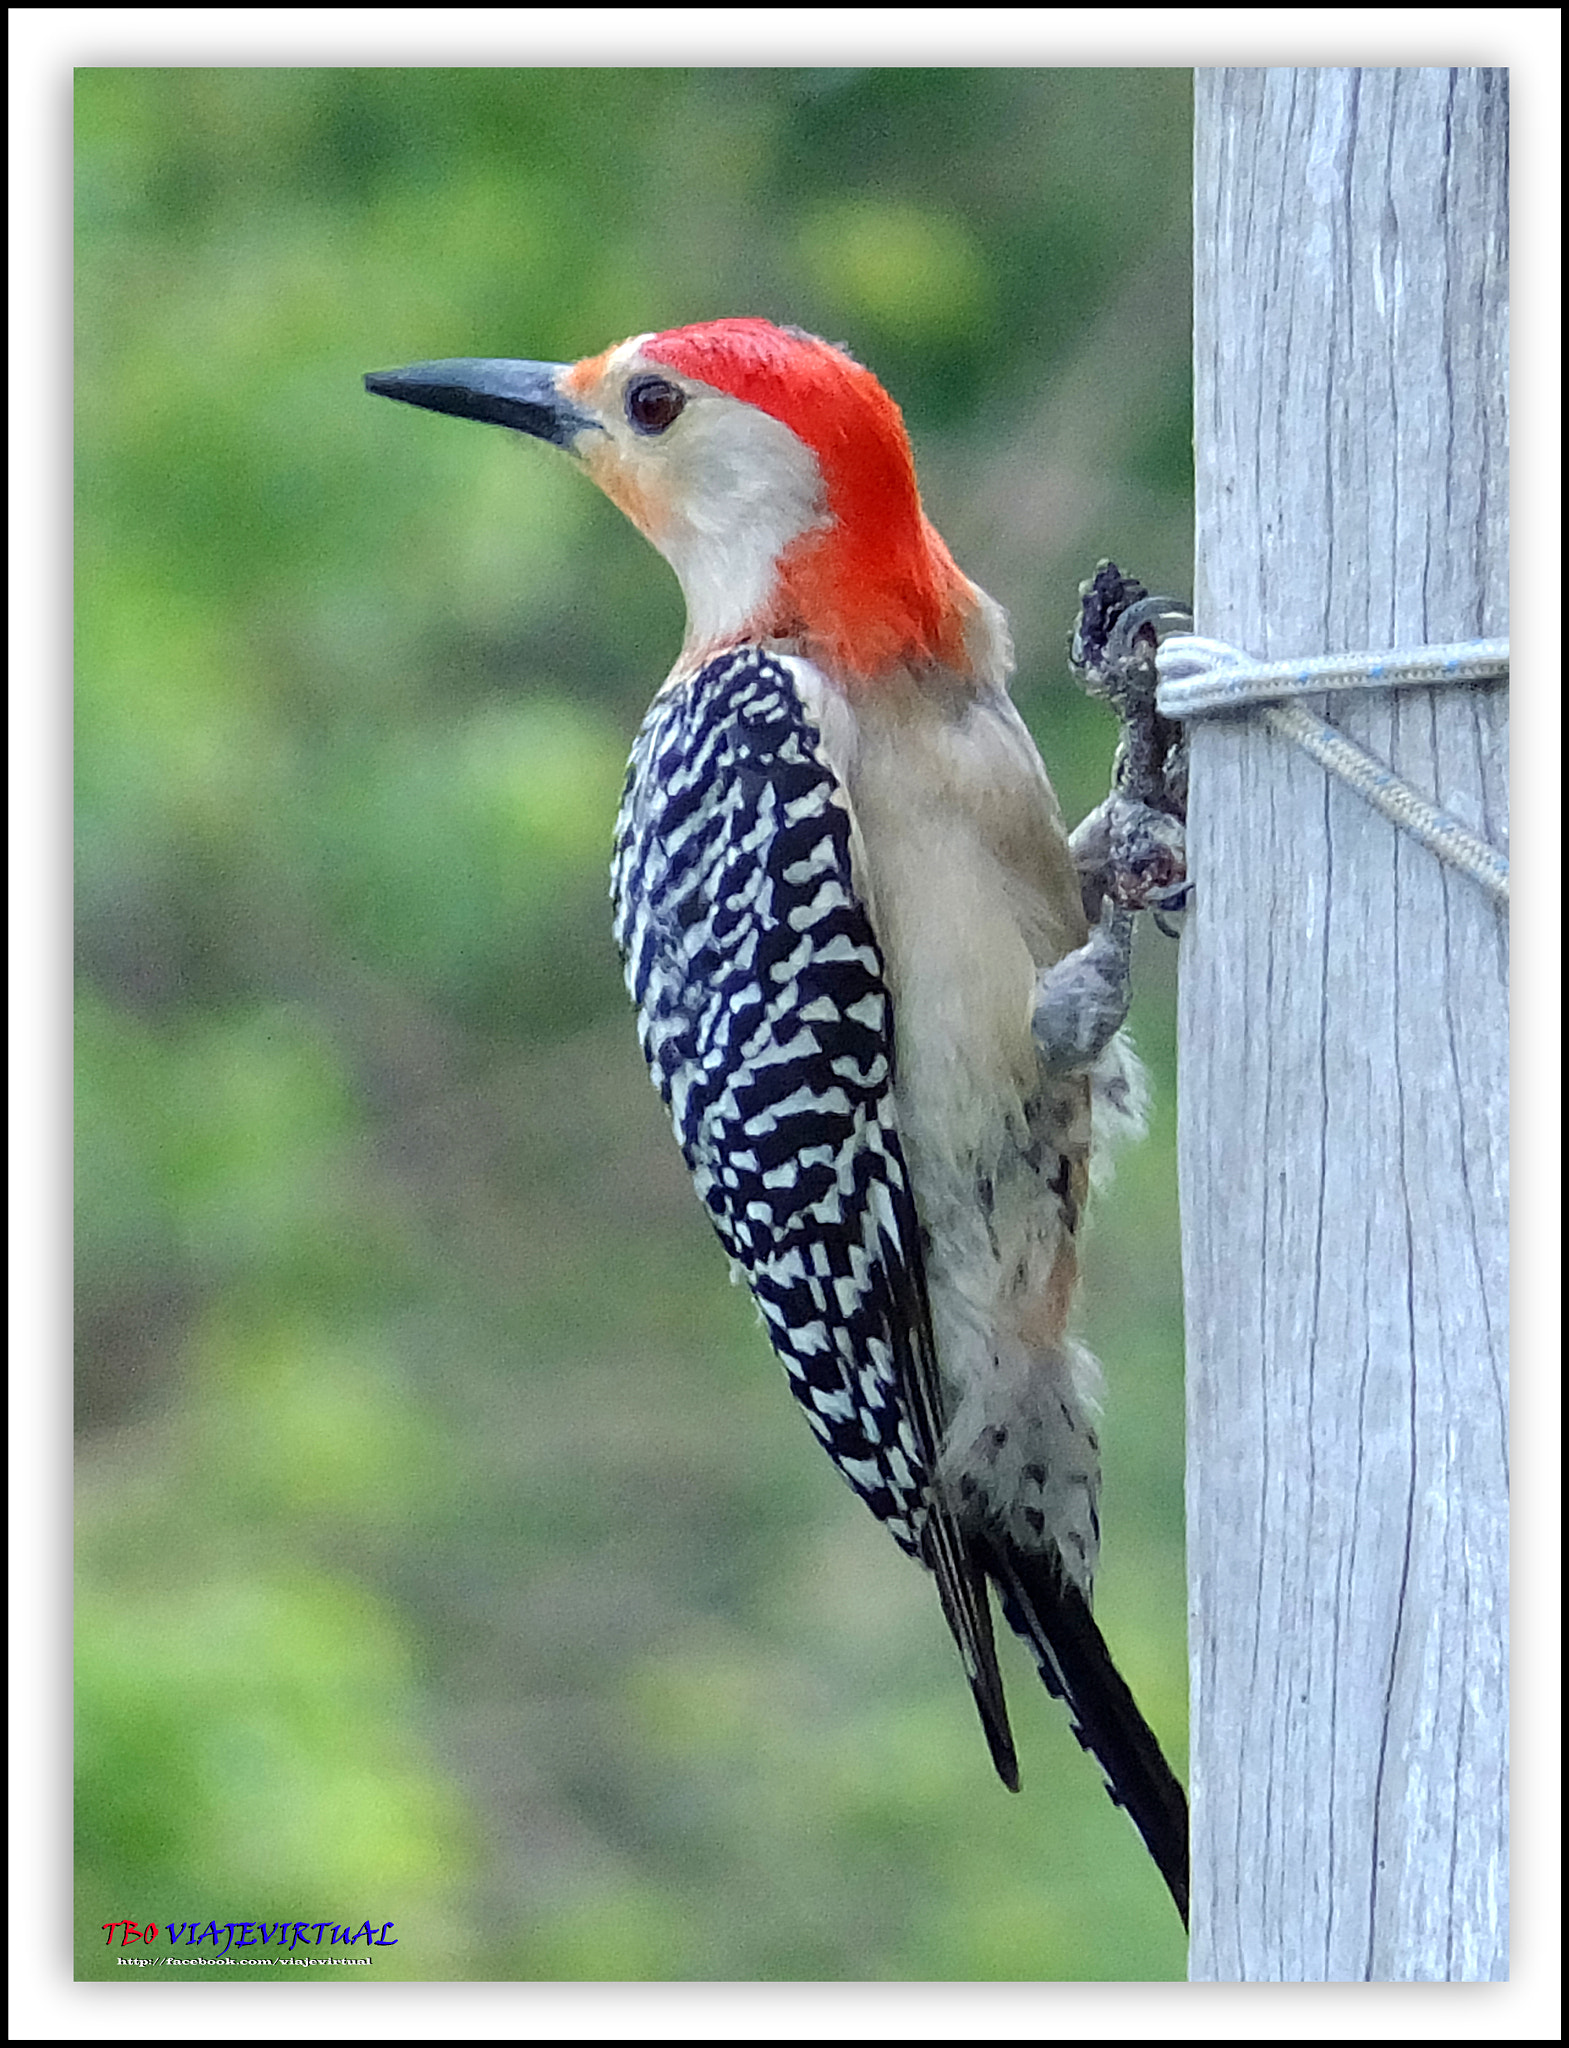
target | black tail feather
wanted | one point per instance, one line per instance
(1054, 1618)
(966, 1604)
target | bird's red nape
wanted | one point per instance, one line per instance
(876, 591)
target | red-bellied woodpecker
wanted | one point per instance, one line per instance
(853, 929)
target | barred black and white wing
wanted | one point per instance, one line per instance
(765, 1019)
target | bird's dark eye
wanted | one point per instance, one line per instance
(652, 404)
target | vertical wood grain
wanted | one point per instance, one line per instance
(1344, 1052)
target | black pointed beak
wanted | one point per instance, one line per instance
(524, 396)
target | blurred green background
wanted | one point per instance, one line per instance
(450, 1550)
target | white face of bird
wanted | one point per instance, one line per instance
(720, 487)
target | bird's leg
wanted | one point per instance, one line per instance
(1130, 851)
(1082, 1001)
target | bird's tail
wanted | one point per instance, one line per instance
(1052, 1615)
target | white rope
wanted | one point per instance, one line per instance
(1202, 678)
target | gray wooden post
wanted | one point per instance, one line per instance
(1343, 1110)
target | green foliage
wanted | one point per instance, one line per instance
(449, 1550)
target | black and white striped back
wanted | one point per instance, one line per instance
(766, 1023)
